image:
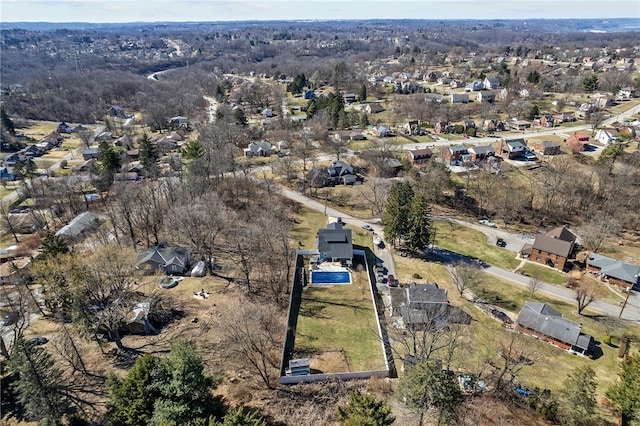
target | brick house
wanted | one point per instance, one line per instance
(419, 156)
(511, 148)
(614, 271)
(547, 148)
(553, 248)
(452, 153)
(547, 324)
(479, 153)
(578, 142)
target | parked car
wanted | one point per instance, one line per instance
(501, 242)
(38, 340)
(11, 318)
(487, 223)
(391, 280)
(367, 227)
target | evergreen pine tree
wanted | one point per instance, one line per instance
(149, 156)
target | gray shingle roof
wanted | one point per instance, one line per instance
(335, 240)
(544, 319)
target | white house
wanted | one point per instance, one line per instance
(459, 98)
(606, 136)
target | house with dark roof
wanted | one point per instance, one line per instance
(479, 153)
(512, 148)
(614, 271)
(452, 153)
(423, 306)
(258, 149)
(419, 156)
(547, 148)
(335, 243)
(553, 248)
(170, 259)
(547, 324)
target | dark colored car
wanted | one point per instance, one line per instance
(10, 319)
(391, 281)
(38, 340)
(500, 242)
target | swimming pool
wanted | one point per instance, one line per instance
(330, 277)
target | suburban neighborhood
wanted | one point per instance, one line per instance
(296, 222)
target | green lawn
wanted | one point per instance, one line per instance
(547, 275)
(339, 320)
(469, 242)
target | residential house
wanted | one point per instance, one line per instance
(267, 113)
(578, 142)
(520, 125)
(606, 136)
(604, 101)
(78, 226)
(457, 98)
(318, 177)
(179, 123)
(381, 131)
(452, 153)
(468, 124)
(5, 174)
(547, 148)
(167, 258)
(443, 127)
(84, 167)
(258, 149)
(626, 93)
(117, 111)
(486, 96)
(349, 98)
(310, 94)
(337, 173)
(479, 153)
(64, 128)
(412, 128)
(530, 93)
(552, 248)
(491, 83)
(433, 97)
(493, 125)
(91, 153)
(542, 321)
(386, 167)
(512, 148)
(444, 80)
(335, 243)
(374, 108)
(474, 86)
(547, 120)
(104, 137)
(424, 306)
(614, 271)
(419, 156)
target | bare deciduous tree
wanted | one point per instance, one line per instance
(534, 283)
(464, 276)
(253, 333)
(585, 294)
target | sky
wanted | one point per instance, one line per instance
(244, 10)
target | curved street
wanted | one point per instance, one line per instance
(631, 311)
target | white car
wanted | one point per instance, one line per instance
(367, 227)
(487, 223)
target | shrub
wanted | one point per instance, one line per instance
(417, 276)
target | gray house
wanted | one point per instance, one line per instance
(545, 323)
(170, 259)
(424, 306)
(335, 243)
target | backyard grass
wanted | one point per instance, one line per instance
(339, 320)
(485, 334)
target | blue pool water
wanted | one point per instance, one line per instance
(330, 277)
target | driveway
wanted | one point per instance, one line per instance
(514, 243)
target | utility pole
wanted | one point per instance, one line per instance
(624, 304)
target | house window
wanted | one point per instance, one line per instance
(555, 264)
(537, 259)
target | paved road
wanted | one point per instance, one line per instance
(558, 131)
(631, 312)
